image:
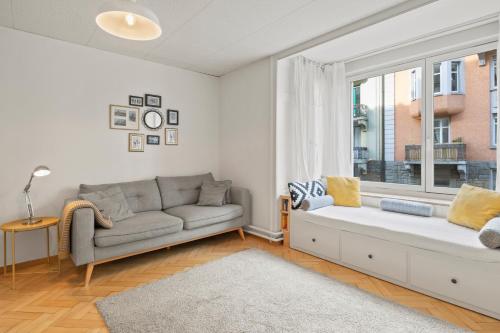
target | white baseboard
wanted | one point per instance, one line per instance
(264, 233)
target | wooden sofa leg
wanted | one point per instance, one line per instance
(88, 274)
(242, 234)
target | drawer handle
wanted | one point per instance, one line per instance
(454, 281)
(370, 256)
(314, 240)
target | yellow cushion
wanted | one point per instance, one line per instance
(474, 206)
(344, 190)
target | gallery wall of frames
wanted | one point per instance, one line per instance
(145, 114)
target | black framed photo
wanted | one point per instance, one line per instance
(153, 139)
(135, 100)
(152, 100)
(172, 117)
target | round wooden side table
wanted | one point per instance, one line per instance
(19, 226)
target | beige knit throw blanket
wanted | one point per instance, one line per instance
(67, 217)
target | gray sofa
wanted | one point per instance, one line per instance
(165, 214)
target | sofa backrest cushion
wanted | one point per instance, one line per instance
(184, 190)
(142, 195)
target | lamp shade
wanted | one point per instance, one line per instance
(41, 171)
(129, 20)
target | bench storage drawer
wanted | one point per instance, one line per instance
(464, 280)
(375, 255)
(315, 239)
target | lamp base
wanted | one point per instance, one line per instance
(33, 220)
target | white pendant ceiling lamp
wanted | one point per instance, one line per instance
(129, 20)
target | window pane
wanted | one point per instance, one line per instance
(454, 82)
(387, 128)
(445, 136)
(462, 150)
(437, 78)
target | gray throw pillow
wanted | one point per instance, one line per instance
(406, 207)
(490, 233)
(111, 202)
(228, 184)
(214, 193)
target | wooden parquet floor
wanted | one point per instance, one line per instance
(50, 302)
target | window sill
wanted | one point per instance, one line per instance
(429, 198)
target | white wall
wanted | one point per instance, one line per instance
(54, 99)
(245, 136)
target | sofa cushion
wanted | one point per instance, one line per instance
(431, 233)
(195, 216)
(142, 195)
(141, 226)
(111, 203)
(178, 191)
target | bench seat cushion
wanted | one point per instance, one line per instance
(141, 226)
(195, 216)
(431, 233)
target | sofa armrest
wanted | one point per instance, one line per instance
(82, 236)
(241, 196)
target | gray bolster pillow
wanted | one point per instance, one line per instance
(317, 202)
(490, 233)
(406, 207)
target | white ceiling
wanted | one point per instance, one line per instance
(403, 28)
(208, 36)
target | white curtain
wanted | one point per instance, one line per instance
(319, 133)
(306, 113)
(337, 137)
(498, 109)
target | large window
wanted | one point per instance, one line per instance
(462, 123)
(431, 140)
(387, 130)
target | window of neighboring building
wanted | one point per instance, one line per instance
(494, 129)
(441, 130)
(494, 72)
(356, 92)
(493, 101)
(455, 76)
(437, 78)
(414, 83)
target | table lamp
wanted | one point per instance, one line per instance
(40, 171)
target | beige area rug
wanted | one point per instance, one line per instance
(254, 291)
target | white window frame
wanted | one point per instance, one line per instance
(427, 187)
(429, 101)
(370, 186)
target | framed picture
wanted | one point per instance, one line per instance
(135, 100)
(153, 139)
(171, 136)
(123, 117)
(135, 142)
(172, 117)
(153, 100)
